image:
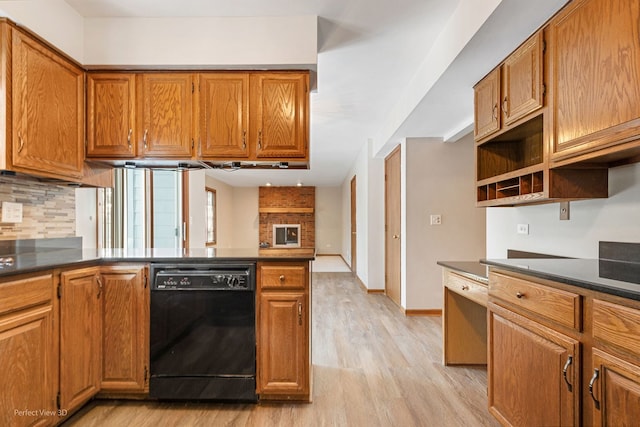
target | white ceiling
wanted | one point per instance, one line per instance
(368, 52)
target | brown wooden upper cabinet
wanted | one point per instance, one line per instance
(224, 115)
(167, 112)
(111, 115)
(211, 116)
(47, 108)
(595, 95)
(279, 114)
(511, 91)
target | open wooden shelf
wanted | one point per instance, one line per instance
(285, 210)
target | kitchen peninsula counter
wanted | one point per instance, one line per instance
(27, 262)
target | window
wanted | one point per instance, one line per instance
(211, 216)
(144, 210)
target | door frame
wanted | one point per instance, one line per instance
(387, 241)
(354, 239)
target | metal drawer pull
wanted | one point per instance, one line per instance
(519, 295)
(282, 277)
(465, 287)
(596, 374)
(564, 373)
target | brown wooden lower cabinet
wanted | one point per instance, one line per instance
(125, 329)
(544, 370)
(28, 383)
(615, 391)
(283, 331)
(80, 336)
(527, 384)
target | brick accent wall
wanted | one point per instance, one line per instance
(288, 197)
(48, 210)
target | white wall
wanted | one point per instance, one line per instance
(86, 220)
(369, 172)
(212, 41)
(237, 215)
(53, 20)
(246, 220)
(612, 219)
(328, 213)
(439, 179)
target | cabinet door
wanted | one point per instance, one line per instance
(27, 357)
(111, 115)
(224, 115)
(167, 113)
(486, 105)
(596, 69)
(125, 326)
(48, 111)
(526, 372)
(279, 114)
(615, 391)
(283, 346)
(522, 80)
(80, 337)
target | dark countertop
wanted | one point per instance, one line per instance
(54, 258)
(473, 269)
(610, 277)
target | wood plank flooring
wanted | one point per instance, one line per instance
(372, 366)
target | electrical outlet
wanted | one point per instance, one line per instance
(436, 219)
(523, 229)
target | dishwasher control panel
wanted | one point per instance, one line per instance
(237, 278)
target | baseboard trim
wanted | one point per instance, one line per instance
(375, 291)
(418, 312)
(367, 290)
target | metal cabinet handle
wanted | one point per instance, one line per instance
(465, 287)
(564, 373)
(504, 105)
(494, 112)
(144, 138)
(519, 295)
(99, 286)
(281, 277)
(129, 137)
(21, 146)
(596, 374)
(260, 139)
(299, 313)
(244, 139)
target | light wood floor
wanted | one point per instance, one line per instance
(372, 366)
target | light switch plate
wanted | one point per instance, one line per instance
(523, 229)
(11, 212)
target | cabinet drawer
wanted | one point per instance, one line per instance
(26, 292)
(466, 287)
(617, 324)
(555, 304)
(283, 276)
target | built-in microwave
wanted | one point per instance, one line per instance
(286, 235)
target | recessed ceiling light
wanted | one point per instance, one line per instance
(299, 184)
(268, 184)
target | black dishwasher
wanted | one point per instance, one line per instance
(203, 339)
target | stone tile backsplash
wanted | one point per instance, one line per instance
(48, 210)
